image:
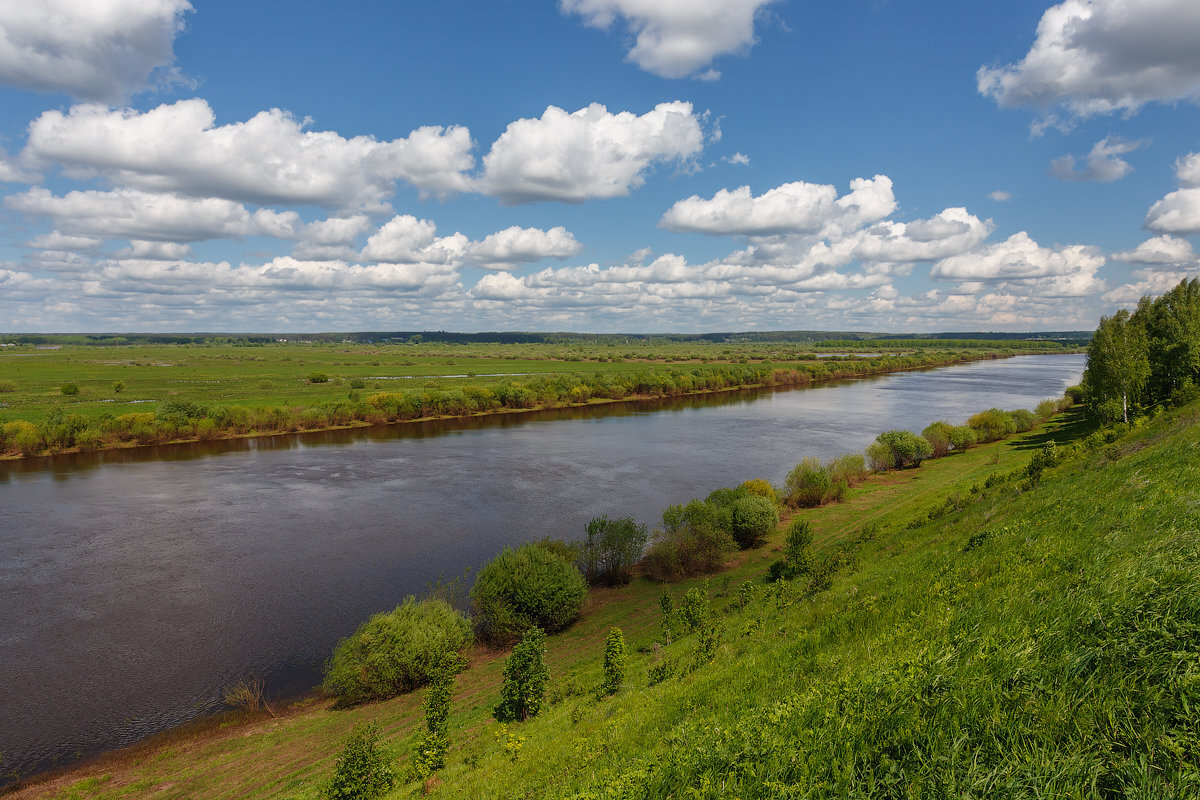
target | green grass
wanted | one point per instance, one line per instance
(1040, 642)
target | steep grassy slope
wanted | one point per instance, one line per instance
(1038, 643)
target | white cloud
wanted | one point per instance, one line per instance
(270, 158)
(11, 172)
(1179, 211)
(588, 154)
(676, 38)
(1148, 282)
(157, 251)
(1101, 56)
(332, 238)
(1000, 196)
(516, 245)
(797, 207)
(404, 239)
(61, 241)
(1018, 261)
(91, 49)
(133, 214)
(1159, 250)
(738, 159)
(1104, 163)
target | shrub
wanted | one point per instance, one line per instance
(798, 558)
(7, 386)
(614, 661)
(69, 389)
(1023, 420)
(1046, 409)
(962, 437)
(849, 469)
(694, 611)
(992, 425)
(880, 457)
(318, 377)
(431, 750)
(760, 488)
(907, 449)
(689, 543)
(753, 520)
(807, 483)
(362, 771)
(118, 387)
(938, 435)
(612, 547)
(526, 587)
(396, 651)
(358, 383)
(525, 679)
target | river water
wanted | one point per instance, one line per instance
(135, 585)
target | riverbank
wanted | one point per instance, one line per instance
(88, 426)
(284, 756)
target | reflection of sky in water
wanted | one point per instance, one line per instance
(130, 593)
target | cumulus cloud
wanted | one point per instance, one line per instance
(516, 245)
(332, 238)
(133, 214)
(157, 251)
(404, 239)
(1146, 283)
(1103, 164)
(591, 153)
(270, 158)
(1000, 196)
(1068, 271)
(676, 38)
(61, 241)
(1162, 250)
(94, 50)
(738, 159)
(1179, 211)
(790, 208)
(1101, 56)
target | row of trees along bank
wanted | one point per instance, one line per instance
(1141, 360)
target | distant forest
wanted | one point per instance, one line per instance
(1068, 339)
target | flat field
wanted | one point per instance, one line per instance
(125, 379)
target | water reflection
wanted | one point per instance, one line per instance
(135, 584)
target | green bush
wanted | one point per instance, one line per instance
(396, 651)
(69, 389)
(798, 557)
(880, 457)
(526, 587)
(938, 435)
(907, 449)
(753, 518)
(689, 543)
(614, 661)
(962, 437)
(611, 549)
(7, 386)
(363, 771)
(318, 377)
(849, 469)
(760, 488)
(992, 425)
(808, 483)
(430, 755)
(525, 679)
(1023, 420)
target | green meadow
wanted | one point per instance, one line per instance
(61, 397)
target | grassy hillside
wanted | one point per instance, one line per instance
(1028, 641)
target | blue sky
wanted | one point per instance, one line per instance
(594, 165)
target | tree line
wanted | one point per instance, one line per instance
(1143, 360)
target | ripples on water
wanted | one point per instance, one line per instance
(136, 584)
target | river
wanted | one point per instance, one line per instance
(136, 584)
